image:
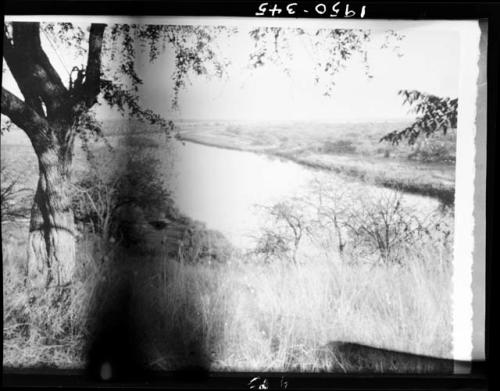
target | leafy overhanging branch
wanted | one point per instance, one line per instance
(434, 114)
(126, 101)
(195, 50)
(330, 50)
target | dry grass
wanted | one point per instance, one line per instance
(278, 317)
(46, 328)
(240, 316)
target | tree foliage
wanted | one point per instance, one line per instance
(194, 50)
(434, 114)
(124, 44)
(330, 50)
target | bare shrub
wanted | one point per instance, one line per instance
(94, 203)
(102, 199)
(271, 245)
(433, 152)
(14, 198)
(289, 224)
(382, 225)
(294, 222)
(332, 209)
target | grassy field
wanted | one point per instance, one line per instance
(240, 315)
(354, 150)
(242, 312)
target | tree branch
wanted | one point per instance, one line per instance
(91, 87)
(25, 117)
(28, 36)
(12, 58)
(32, 69)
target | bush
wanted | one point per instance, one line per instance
(331, 209)
(338, 147)
(271, 244)
(200, 245)
(383, 226)
(384, 151)
(15, 200)
(433, 152)
(288, 227)
(101, 200)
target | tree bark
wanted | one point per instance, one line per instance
(48, 115)
(52, 242)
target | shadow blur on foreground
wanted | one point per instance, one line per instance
(358, 358)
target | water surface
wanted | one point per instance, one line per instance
(224, 188)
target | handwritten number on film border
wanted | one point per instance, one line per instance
(321, 9)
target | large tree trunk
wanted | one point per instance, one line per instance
(48, 115)
(51, 251)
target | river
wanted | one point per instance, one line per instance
(224, 188)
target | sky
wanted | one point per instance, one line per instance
(429, 61)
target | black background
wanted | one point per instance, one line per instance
(483, 373)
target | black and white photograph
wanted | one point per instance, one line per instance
(240, 194)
